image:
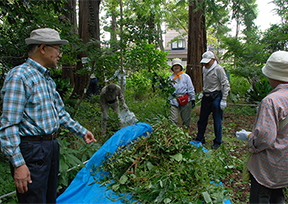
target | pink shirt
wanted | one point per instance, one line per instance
(269, 144)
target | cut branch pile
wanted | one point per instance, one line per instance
(165, 167)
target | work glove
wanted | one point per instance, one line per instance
(192, 104)
(223, 104)
(200, 95)
(243, 135)
(125, 107)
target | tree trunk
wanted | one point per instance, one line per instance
(159, 38)
(71, 14)
(196, 44)
(113, 26)
(88, 28)
(67, 70)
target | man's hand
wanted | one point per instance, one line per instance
(192, 104)
(243, 135)
(21, 177)
(89, 137)
(200, 95)
(223, 104)
(125, 107)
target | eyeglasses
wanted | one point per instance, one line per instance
(60, 52)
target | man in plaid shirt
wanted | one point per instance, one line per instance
(268, 140)
(32, 113)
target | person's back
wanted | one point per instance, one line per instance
(268, 162)
(109, 97)
(110, 93)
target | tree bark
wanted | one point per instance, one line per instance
(67, 70)
(88, 29)
(197, 44)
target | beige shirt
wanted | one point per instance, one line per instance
(215, 79)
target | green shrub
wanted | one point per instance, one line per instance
(6, 181)
(258, 91)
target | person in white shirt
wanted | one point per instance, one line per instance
(216, 87)
(183, 89)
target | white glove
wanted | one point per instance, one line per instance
(223, 104)
(243, 135)
(200, 95)
(125, 107)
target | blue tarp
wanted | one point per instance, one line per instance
(79, 191)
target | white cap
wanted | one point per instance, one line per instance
(277, 66)
(207, 56)
(177, 61)
(45, 36)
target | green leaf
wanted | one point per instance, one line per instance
(167, 200)
(207, 197)
(123, 179)
(150, 165)
(178, 157)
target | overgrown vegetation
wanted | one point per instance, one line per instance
(166, 168)
(149, 107)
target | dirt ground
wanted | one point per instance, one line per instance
(234, 148)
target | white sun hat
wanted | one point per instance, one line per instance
(277, 66)
(177, 61)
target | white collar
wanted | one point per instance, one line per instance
(211, 68)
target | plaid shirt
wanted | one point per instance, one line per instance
(31, 106)
(269, 143)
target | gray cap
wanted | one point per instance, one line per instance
(45, 36)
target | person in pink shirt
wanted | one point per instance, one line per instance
(268, 164)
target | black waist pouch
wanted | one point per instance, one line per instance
(211, 95)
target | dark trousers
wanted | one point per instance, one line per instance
(261, 194)
(93, 87)
(42, 159)
(208, 106)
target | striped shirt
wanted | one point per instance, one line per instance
(31, 106)
(182, 86)
(269, 143)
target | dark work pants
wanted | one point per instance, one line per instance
(261, 194)
(42, 159)
(210, 106)
(93, 87)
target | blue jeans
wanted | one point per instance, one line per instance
(264, 195)
(208, 106)
(42, 160)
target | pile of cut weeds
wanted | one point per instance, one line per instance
(165, 167)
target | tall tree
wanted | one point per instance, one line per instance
(71, 20)
(281, 9)
(196, 43)
(89, 29)
(244, 13)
